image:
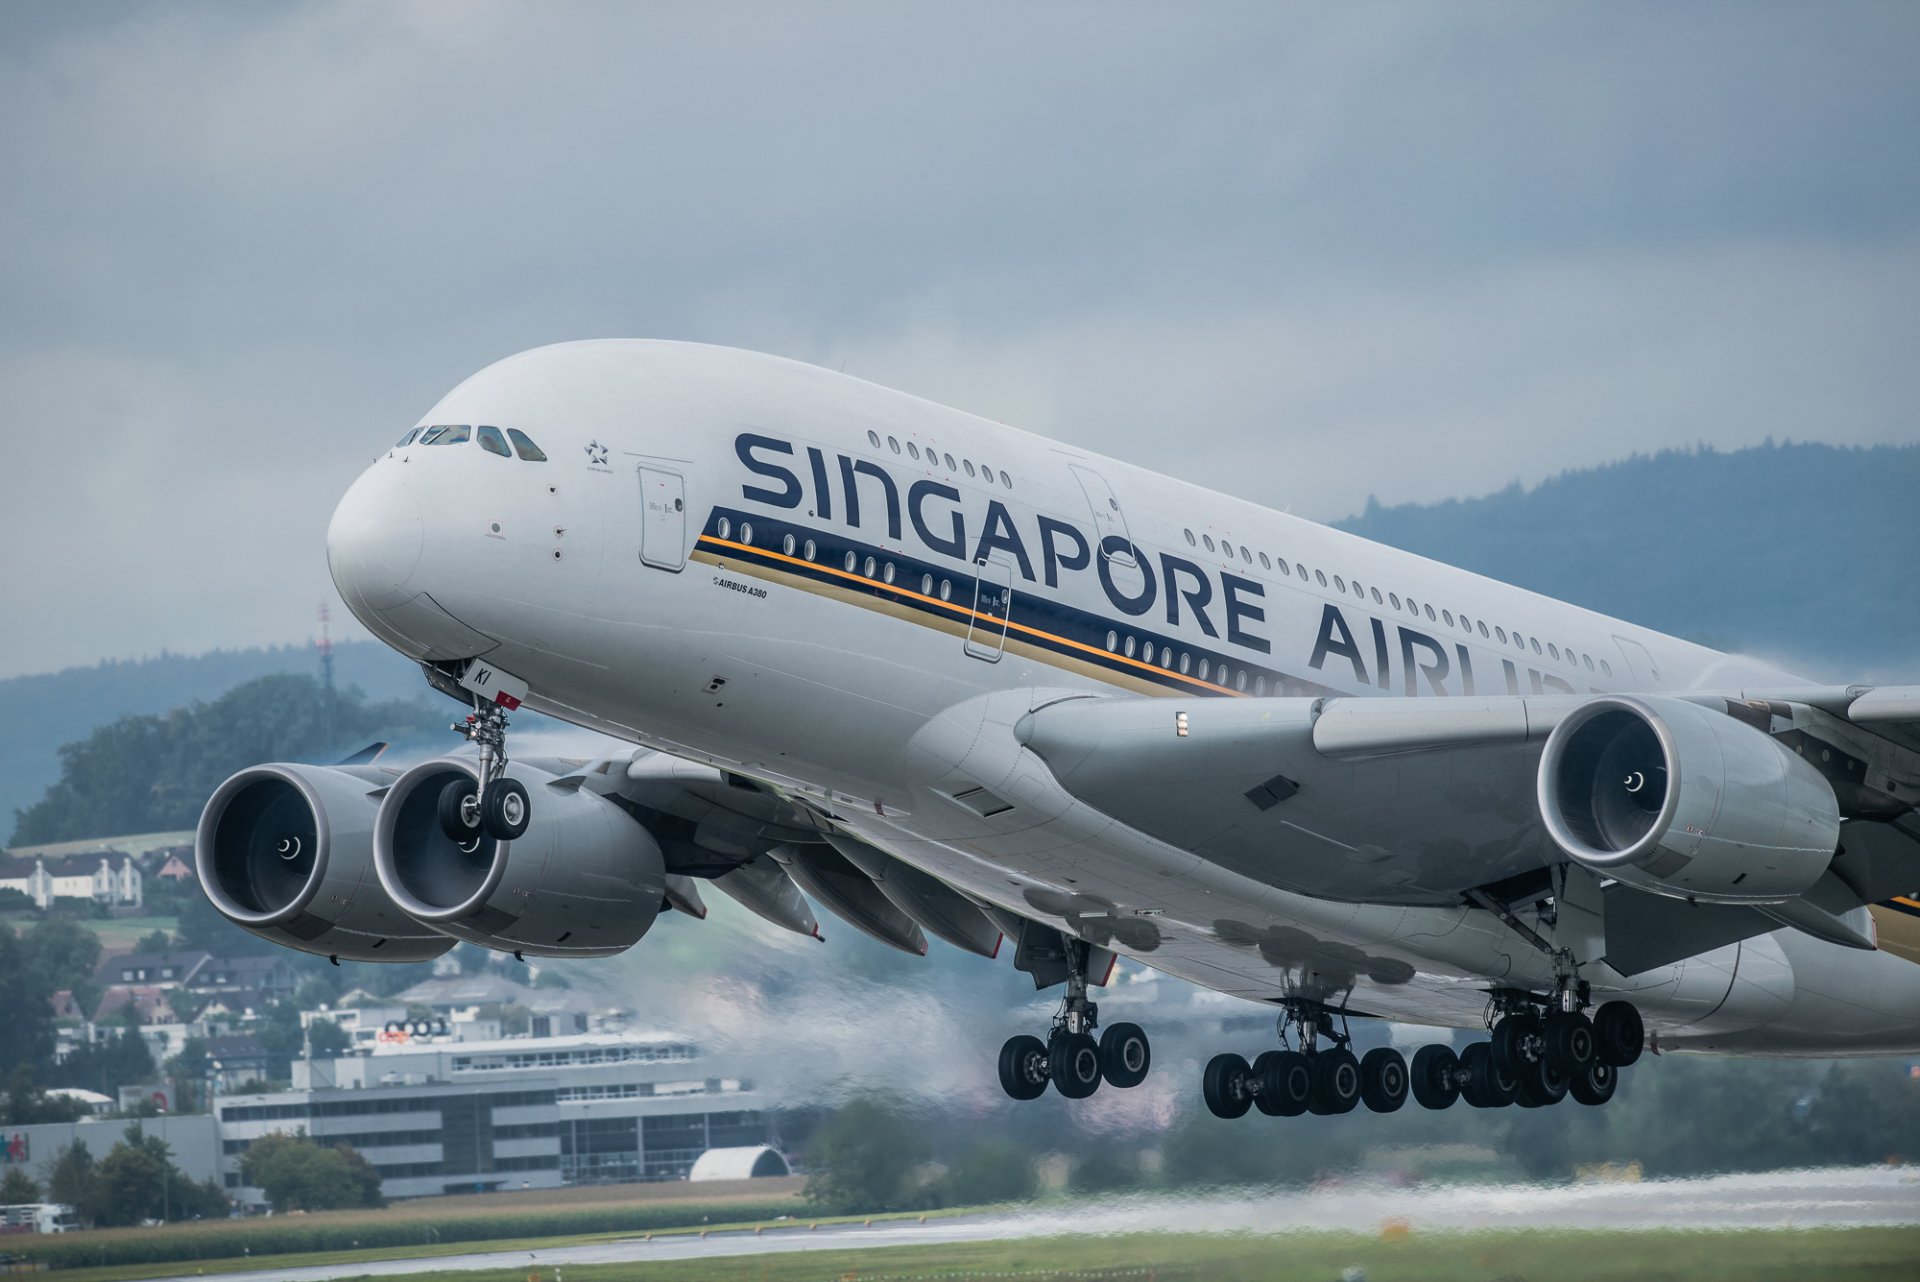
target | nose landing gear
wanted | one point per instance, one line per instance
(496, 807)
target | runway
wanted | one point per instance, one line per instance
(1787, 1200)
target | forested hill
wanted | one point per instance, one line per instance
(1807, 554)
(39, 713)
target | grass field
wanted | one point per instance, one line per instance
(1827, 1255)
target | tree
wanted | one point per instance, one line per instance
(865, 1158)
(992, 1171)
(71, 1180)
(18, 1188)
(25, 1103)
(24, 1011)
(297, 1174)
(138, 1181)
(327, 1038)
(115, 1060)
(158, 941)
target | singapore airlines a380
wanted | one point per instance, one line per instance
(944, 679)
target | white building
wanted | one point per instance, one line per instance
(438, 1115)
(107, 877)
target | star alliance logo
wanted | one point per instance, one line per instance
(596, 453)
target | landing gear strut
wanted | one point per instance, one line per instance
(496, 807)
(1070, 1058)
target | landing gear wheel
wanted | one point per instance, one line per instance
(1075, 1063)
(1224, 1086)
(506, 810)
(1286, 1083)
(1517, 1041)
(1383, 1079)
(1023, 1067)
(1618, 1034)
(1596, 1085)
(1541, 1085)
(1125, 1055)
(1570, 1042)
(1435, 1077)
(459, 813)
(1486, 1086)
(1336, 1082)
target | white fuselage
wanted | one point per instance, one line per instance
(842, 590)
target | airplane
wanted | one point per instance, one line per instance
(945, 678)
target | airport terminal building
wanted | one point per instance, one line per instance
(448, 1116)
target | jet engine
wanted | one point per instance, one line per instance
(586, 879)
(286, 851)
(1674, 798)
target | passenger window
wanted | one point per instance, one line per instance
(986, 474)
(1203, 669)
(1413, 607)
(1113, 641)
(1246, 555)
(1191, 541)
(946, 590)
(1482, 625)
(868, 569)
(1264, 563)
(523, 446)
(1606, 668)
(873, 439)
(1240, 680)
(1129, 648)
(969, 463)
(1207, 539)
(926, 585)
(1394, 597)
(1554, 651)
(724, 528)
(851, 562)
(1006, 480)
(1301, 570)
(1166, 656)
(786, 545)
(950, 463)
(1339, 584)
(809, 550)
(1259, 687)
(746, 533)
(913, 451)
(1376, 596)
(1320, 577)
(1429, 610)
(886, 574)
(1285, 569)
(1536, 645)
(893, 444)
(414, 431)
(1357, 591)
(1501, 633)
(1448, 616)
(1588, 660)
(1186, 663)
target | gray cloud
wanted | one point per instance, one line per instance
(1302, 254)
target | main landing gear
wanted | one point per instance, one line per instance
(1323, 1076)
(1070, 1058)
(1534, 1059)
(496, 806)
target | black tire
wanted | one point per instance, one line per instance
(1257, 1076)
(1286, 1083)
(1570, 1043)
(1486, 1086)
(1540, 1086)
(1517, 1041)
(1383, 1079)
(1024, 1070)
(1597, 1085)
(1125, 1055)
(1224, 1086)
(454, 810)
(1434, 1077)
(1074, 1059)
(1336, 1082)
(506, 810)
(1618, 1034)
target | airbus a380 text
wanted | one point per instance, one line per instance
(941, 677)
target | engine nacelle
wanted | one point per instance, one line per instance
(586, 880)
(1677, 799)
(286, 852)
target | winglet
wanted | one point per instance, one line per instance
(366, 756)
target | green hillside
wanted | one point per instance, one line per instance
(1802, 553)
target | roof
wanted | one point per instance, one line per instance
(241, 972)
(183, 964)
(137, 844)
(237, 1046)
(571, 1041)
(85, 865)
(146, 1000)
(483, 990)
(752, 1163)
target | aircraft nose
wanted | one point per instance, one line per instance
(375, 539)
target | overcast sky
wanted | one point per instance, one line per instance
(1304, 254)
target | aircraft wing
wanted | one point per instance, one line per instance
(1433, 801)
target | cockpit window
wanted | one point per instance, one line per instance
(448, 434)
(493, 443)
(524, 446)
(411, 433)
